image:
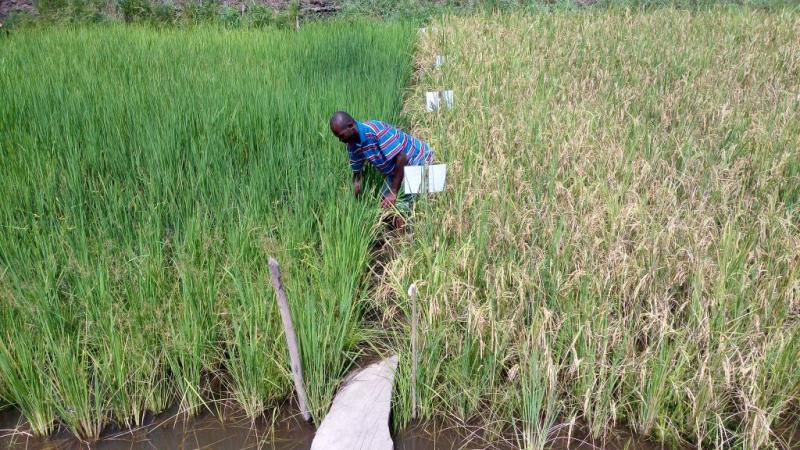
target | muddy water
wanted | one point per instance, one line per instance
(438, 437)
(288, 432)
(173, 431)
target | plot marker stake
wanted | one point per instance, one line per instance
(412, 295)
(291, 339)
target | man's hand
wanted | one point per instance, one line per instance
(389, 200)
(357, 184)
(357, 187)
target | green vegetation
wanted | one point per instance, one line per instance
(618, 245)
(620, 242)
(260, 13)
(146, 175)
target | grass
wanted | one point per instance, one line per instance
(147, 175)
(619, 243)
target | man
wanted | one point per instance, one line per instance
(385, 147)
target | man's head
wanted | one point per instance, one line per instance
(344, 127)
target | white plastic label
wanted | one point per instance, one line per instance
(418, 179)
(434, 100)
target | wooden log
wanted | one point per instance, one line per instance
(291, 339)
(412, 297)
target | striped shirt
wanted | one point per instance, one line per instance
(381, 143)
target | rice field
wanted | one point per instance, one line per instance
(146, 176)
(619, 245)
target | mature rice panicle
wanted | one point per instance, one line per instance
(635, 176)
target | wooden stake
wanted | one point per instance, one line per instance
(291, 339)
(412, 296)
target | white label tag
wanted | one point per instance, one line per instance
(419, 179)
(434, 100)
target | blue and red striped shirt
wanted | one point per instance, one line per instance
(381, 143)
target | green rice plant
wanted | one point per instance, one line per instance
(149, 174)
(327, 322)
(539, 405)
(630, 175)
(656, 387)
(78, 401)
(193, 324)
(254, 363)
(25, 380)
(129, 356)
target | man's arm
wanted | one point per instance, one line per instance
(357, 166)
(397, 179)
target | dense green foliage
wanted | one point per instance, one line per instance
(259, 14)
(146, 176)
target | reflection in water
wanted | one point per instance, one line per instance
(288, 431)
(173, 431)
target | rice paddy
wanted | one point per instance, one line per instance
(620, 242)
(618, 245)
(146, 177)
